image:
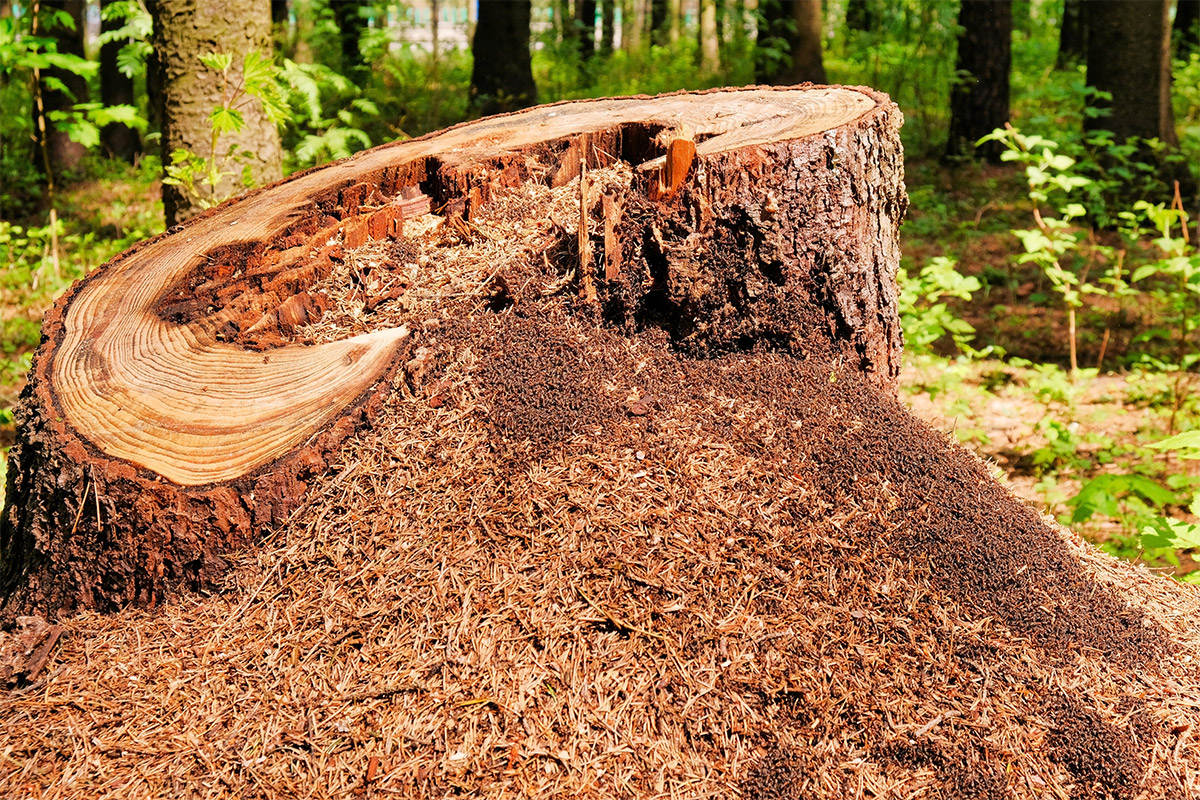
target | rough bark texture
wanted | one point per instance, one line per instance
(1129, 56)
(188, 91)
(797, 24)
(116, 88)
(502, 75)
(979, 101)
(778, 229)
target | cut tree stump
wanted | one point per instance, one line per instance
(175, 409)
(574, 442)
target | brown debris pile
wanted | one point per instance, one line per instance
(571, 560)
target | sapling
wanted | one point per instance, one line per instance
(1049, 173)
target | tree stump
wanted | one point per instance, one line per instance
(577, 439)
(175, 409)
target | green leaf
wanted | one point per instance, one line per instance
(1144, 271)
(226, 120)
(1188, 440)
(218, 62)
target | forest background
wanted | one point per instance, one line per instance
(1050, 285)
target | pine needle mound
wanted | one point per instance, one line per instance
(573, 559)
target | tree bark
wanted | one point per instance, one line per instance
(979, 100)
(188, 91)
(170, 415)
(1129, 56)
(798, 25)
(64, 154)
(502, 76)
(1072, 34)
(116, 88)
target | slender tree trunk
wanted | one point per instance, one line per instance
(184, 29)
(798, 23)
(435, 14)
(1187, 26)
(674, 20)
(564, 20)
(861, 15)
(351, 24)
(710, 42)
(116, 88)
(1129, 56)
(1072, 36)
(64, 154)
(633, 23)
(608, 25)
(660, 29)
(979, 100)
(585, 28)
(502, 76)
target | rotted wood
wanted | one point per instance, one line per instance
(173, 411)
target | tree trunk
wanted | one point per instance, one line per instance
(502, 76)
(798, 25)
(608, 25)
(633, 23)
(1129, 56)
(184, 29)
(435, 21)
(979, 100)
(351, 24)
(660, 28)
(585, 28)
(116, 88)
(1187, 27)
(710, 43)
(64, 154)
(861, 15)
(1072, 35)
(171, 415)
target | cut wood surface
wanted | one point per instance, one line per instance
(178, 391)
(177, 400)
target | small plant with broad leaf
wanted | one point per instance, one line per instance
(205, 178)
(1174, 282)
(924, 314)
(1164, 531)
(1050, 178)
